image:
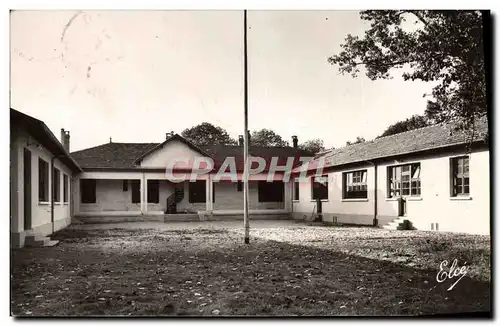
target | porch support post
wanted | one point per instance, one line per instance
(288, 195)
(76, 198)
(209, 194)
(143, 194)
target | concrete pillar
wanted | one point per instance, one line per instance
(209, 194)
(15, 187)
(145, 193)
(288, 195)
(144, 206)
(76, 195)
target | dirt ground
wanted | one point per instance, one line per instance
(288, 269)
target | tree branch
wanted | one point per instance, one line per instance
(418, 15)
(383, 63)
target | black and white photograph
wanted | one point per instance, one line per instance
(250, 163)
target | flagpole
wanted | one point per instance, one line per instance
(245, 145)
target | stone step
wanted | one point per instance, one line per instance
(34, 238)
(39, 241)
(51, 243)
(393, 225)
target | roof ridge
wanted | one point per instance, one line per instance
(414, 130)
(142, 143)
(388, 136)
(104, 144)
(86, 149)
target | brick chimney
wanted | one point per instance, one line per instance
(241, 140)
(295, 141)
(65, 139)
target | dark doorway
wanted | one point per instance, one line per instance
(27, 189)
(401, 206)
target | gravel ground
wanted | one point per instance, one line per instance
(418, 249)
(287, 269)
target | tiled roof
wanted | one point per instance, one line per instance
(112, 155)
(124, 155)
(39, 130)
(418, 140)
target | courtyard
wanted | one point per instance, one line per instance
(288, 269)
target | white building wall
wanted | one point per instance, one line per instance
(227, 197)
(173, 149)
(435, 205)
(112, 200)
(41, 223)
(352, 211)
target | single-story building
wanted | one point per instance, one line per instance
(436, 177)
(129, 181)
(41, 172)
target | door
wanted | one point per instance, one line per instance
(27, 189)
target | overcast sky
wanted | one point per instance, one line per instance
(134, 75)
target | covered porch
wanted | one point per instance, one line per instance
(152, 194)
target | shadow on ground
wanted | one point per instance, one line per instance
(210, 272)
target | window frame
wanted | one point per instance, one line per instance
(455, 175)
(355, 182)
(65, 188)
(325, 186)
(266, 191)
(153, 191)
(93, 193)
(43, 180)
(406, 181)
(56, 179)
(135, 193)
(197, 195)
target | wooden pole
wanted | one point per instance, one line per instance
(245, 145)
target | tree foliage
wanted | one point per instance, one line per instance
(357, 141)
(207, 134)
(267, 138)
(414, 122)
(313, 146)
(444, 47)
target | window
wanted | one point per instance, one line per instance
(270, 191)
(460, 176)
(125, 185)
(319, 187)
(240, 186)
(135, 185)
(56, 179)
(404, 180)
(153, 191)
(354, 184)
(65, 187)
(296, 184)
(87, 191)
(43, 180)
(197, 192)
